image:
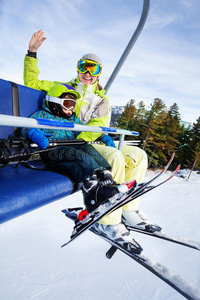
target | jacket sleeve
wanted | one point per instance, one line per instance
(38, 114)
(31, 72)
(90, 136)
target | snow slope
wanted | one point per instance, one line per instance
(34, 266)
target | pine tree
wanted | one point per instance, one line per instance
(154, 139)
(196, 130)
(189, 149)
(196, 140)
(127, 119)
(196, 162)
(140, 119)
(186, 145)
(172, 129)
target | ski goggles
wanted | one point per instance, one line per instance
(66, 103)
(86, 65)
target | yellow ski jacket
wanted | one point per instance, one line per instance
(92, 108)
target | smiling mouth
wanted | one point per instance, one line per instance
(86, 78)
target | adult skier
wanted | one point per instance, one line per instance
(93, 109)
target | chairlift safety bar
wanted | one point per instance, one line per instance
(7, 120)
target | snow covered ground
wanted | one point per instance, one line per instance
(34, 266)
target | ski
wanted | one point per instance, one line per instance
(188, 290)
(160, 235)
(145, 187)
(175, 281)
(91, 218)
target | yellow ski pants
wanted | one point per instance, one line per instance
(128, 164)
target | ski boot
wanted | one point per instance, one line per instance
(97, 191)
(137, 219)
(119, 234)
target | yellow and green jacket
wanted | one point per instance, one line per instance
(92, 108)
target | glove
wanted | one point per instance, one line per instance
(38, 137)
(108, 141)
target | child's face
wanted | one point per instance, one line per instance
(68, 111)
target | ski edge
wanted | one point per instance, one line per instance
(164, 236)
(177, 282)
(160, 235)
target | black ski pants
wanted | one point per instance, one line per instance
(80, 161)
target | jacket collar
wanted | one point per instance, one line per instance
(89, 89)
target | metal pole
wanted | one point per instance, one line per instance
(121, 140)
(146, 5)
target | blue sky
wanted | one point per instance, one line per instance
(164, 63)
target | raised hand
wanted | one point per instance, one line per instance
(36, 40)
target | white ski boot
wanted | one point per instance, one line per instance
(137, 219)
(119, 234)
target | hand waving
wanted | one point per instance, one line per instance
(36, 40)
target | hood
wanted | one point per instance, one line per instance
(44, 106)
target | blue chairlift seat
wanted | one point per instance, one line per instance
(23, 189)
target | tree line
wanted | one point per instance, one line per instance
(163, 133)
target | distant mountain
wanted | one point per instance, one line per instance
(117, 109)
(186, 124)
(116, 112)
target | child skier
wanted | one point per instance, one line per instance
(90, 170)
